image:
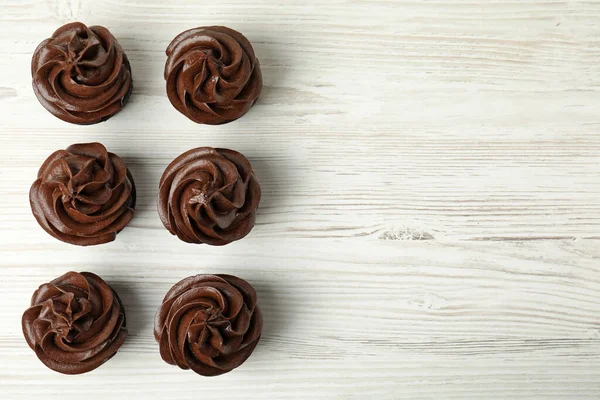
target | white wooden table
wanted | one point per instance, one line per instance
(430, 222)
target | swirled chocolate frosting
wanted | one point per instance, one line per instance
(209, 196)
(81, 74)
(75, 323)
(208, 323)
(212, 74)
(83, 195)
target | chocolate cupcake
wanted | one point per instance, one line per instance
(83, 195)
(209, 196)
(208, 323)
(75, 323)
(212, 74)
(81, 75)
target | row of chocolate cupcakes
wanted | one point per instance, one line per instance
(82, 75)
(207, 323)
(85, 195)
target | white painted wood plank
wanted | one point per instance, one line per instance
(431, 204)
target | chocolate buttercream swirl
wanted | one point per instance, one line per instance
(209, 196)
(75, 323)
(208, 323)
(84, 195)
(81, 75)
(212, 74)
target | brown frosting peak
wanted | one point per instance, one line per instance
(208, 323)
(75, 323)
(81, 75)
(212, 74)
(209, 196)
(84, 195)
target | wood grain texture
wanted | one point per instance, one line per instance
(430, 220)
